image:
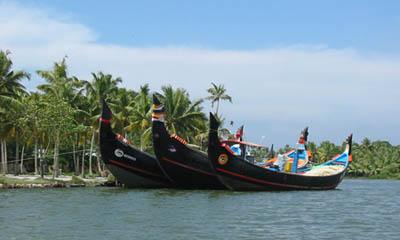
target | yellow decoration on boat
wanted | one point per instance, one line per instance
(223, 159)
(288, 166)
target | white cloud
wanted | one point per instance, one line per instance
(276, 91)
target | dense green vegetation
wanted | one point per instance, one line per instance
(58, 123)
(378, 159)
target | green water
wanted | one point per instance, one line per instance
(359, 209)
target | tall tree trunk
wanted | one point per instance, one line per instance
(77, 154)
(16, 154)
(2, 157)
(83, 157)
(41, 160)
(56, 149)
(73, 155)
(5, 155)
(76, 166)
(98, 162)
(21, 167)
(90, 153)
(78, 163)
(36, 157)
(216, 112)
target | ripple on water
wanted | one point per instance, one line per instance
(359, 209)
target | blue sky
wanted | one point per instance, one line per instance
(370, 26)
(330, 65)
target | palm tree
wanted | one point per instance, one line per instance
(30, 122)
(218, 93)
(140, 119)
(184, 117)
(377, 159)
(124, 108)
(10, 80)
(79, 134)
(327, 150)
(62, 90)
(366, 144)
(10, 87)
(101, 86)
(16, 126)
(59, 84)
(312, 147)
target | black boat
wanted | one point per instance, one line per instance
(186, 167)
(240, 175)
(130, 166)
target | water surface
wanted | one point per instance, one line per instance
(358, 209)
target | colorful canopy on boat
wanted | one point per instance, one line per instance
(243, 143)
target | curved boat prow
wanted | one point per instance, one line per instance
(349, 143)
(213, 132)
(156, 101)
(158, 118)
(184, 166)
(131, 166)
(271, 153)
(158, 111)
(105, 121)
(106, 113)
(304, 134)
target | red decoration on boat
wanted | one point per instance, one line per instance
(239, 133)
(106, 121)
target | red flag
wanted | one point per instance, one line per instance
(239, 134)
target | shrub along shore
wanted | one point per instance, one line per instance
(35, 181)
(54, 129)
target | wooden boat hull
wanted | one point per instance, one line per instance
(243, 176)
(131, 179)
(132, 167)
(186, 167)
(240, 175)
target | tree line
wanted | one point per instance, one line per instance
(57, 124)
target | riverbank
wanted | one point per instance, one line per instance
(35, 181)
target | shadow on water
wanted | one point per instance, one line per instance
(186, 192)
(171, 192)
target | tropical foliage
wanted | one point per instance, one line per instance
(378, 159)
(55, 128)
(217, 93)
